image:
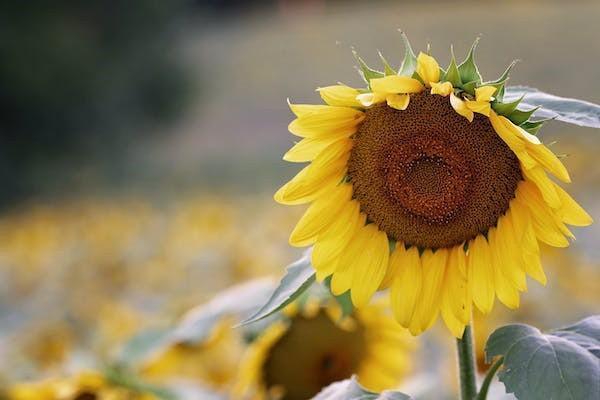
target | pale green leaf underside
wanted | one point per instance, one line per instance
(350, 389)
(562, 364)
(572, 111)
(298, 278)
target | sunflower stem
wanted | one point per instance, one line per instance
(466, 365)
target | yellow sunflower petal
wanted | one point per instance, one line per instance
(484, 93)
(461, 107)
(340, 95)
(543, 221)
(434, 266)
(545, 185)
(324, 121)
(570, 212)
(481, 274)
(455, 326)
(481, 107)
(549, 161)
(341, 280)
(308, 148)
(406, 286)
(369, 99)
(455, 296)
(525, 237)
(428, 68)
(441, 88)
(370, 267)
(512, 266)
(398, 101)
(505, 291)
(396, 84)
(333, 240)
(327, 170)
(504, 129)
(319, 215)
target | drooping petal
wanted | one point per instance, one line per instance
(370, 268)
(525, 237)
(456, 300)
(546, 187)
(406, 286)
(569, 211)
(441, 88)
(461, 107)
(428, 68)
(549, 161)
(398, 101)
(340, 95)
(394, 84)
(321, 213)
(481, 274)
(511, 267)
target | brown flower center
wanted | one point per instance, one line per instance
(428, 177)
(311, 355)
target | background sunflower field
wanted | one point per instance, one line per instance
(140, 146)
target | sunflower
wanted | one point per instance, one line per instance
(428, 183)
(315, 345)
(87, 385)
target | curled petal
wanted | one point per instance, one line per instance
(461, 107)
(427, 68)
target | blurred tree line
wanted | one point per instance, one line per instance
(79, 79)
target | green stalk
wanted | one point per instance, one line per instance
(488, 379)
(466, 365)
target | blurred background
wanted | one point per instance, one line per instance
(141, 142)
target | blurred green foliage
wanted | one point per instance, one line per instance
(80, 79)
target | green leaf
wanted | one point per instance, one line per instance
(366, 72)
(520, 116)
(298, 278)
(344, 300)
(572, 111)
(127, 379)
(409, 63)
(506, 108)
(387, 70)
(562, 364)
(199, 323)
(350, 389)
(238, 302)
(452, 75)
(468, 69)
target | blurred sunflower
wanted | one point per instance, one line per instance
(295, 357)
(212, 362)
(429, 183)
(84, 386)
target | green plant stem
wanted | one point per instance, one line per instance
(466, 365)
(488, 379)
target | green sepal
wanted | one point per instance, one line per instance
(534, 127)
(409, 63)
(469, 87)
(468, 69)
(519, 116)
(387, 69)
(503, 78)
(506, 108)
(366, 72)
(452, 75)
(500, 93)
